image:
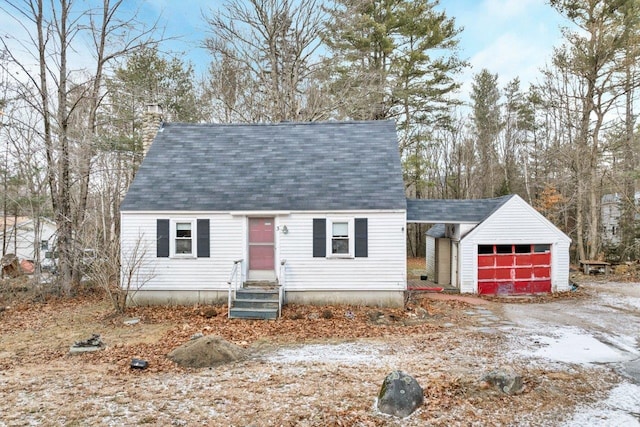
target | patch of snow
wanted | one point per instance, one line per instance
(570, 345)
(621, 408)
(627, 302)
(345, 353)
(624, 343)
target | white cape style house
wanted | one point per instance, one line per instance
(316, 211)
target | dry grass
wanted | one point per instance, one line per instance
(265, 391)
(315, 366)
(415, 268)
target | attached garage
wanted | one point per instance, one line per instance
(498, 246)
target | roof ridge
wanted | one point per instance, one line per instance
(283, 123)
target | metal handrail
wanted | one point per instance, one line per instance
(235, 280)
(283, 270)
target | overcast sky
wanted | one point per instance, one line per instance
(508, 37)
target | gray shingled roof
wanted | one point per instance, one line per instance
(286, 166)
(437, 231)
(452, 211)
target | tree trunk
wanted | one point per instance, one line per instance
(628, 206)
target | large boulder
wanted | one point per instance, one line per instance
(206, 351)
(505, 380)
(400, 395)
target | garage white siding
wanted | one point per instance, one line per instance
(516, 222)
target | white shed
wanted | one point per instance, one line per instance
(492, 246)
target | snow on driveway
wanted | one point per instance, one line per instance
(572, 345)
(603, 331)
(621, 408)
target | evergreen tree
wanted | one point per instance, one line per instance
(395, 59)
(392, 58)
(487, 126)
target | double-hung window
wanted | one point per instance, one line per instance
(340, 238)
(184, 238)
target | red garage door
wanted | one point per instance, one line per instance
(514, 269)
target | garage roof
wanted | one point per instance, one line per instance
(432, 211)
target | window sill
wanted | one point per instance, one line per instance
(338, 256)
(183, 256)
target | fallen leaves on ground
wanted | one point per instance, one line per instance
(430, 339)
(56, 324)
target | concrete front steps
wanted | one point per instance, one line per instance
(255, 301)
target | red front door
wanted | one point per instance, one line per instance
(261, 250)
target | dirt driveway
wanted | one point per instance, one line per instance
(602, 329)
(322, 366)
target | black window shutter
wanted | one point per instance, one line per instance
(362, 237)
(319, 237)
(203, 238)
(162, 234)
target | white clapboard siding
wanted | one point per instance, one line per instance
(226, 240)
(513, 223)
(463, 229)
(431, 257)
(22, 240)
(383, 269)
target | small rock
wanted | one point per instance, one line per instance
(131, 321)
(94, 341)
(375, 315)
(197, 335)
(350, 315)
(139, 364)
(505, 380)
(87, 346)
(400, 395)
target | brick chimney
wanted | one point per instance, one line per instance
(151, 123)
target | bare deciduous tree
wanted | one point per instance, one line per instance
(263, 56)
(55, 31)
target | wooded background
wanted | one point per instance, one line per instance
(73, 96)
